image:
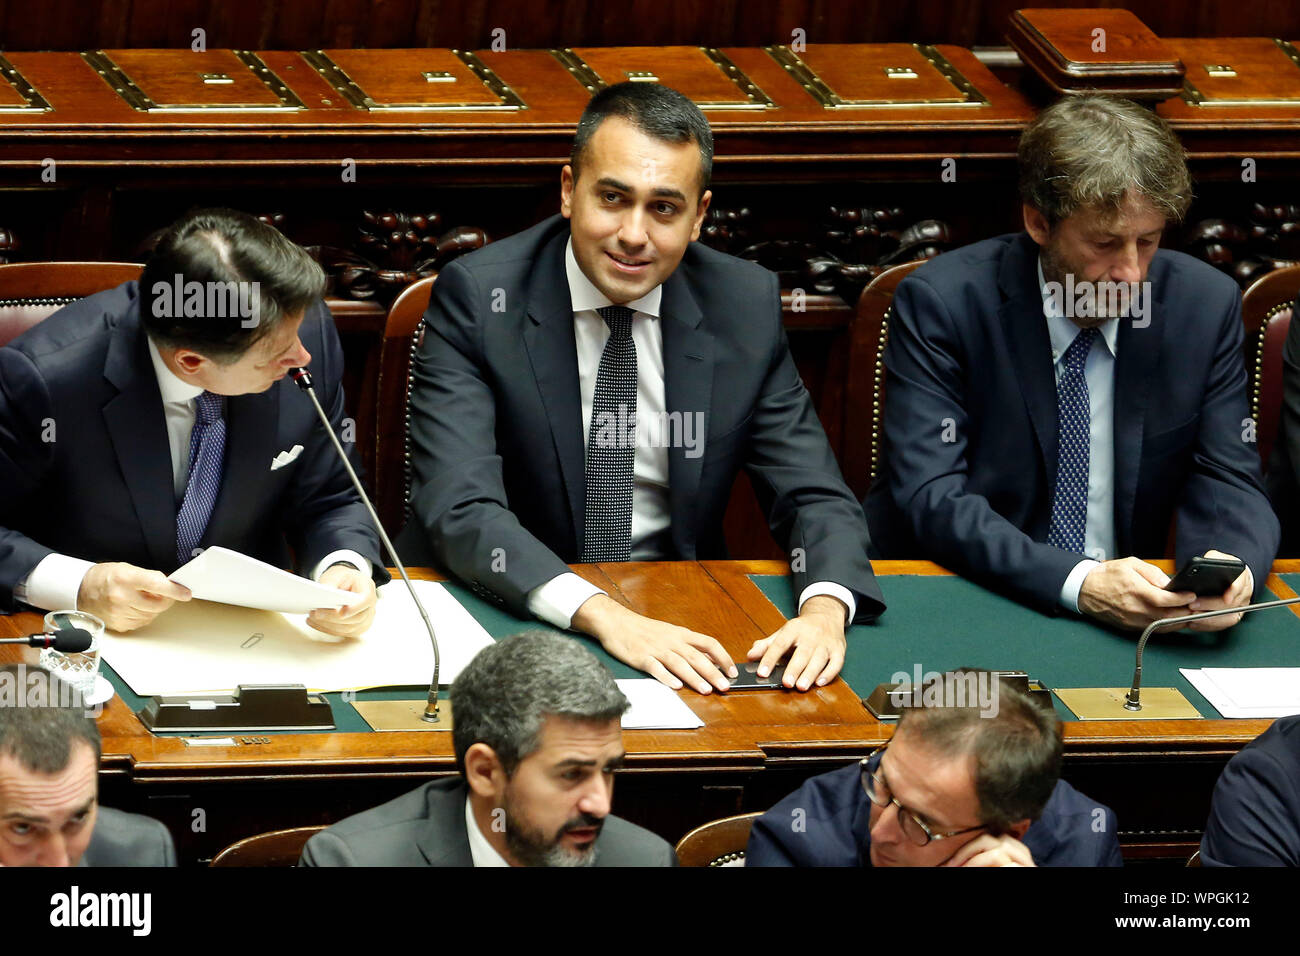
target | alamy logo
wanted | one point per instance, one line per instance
(620, 428)
(179, 299)
(74, 908)
(1100, 300)
(977, 689)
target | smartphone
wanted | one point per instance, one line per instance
(1207, 577)
(748, 679)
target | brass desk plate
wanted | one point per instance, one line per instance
(1107, 703)
(384, 715)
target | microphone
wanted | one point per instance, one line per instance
(1133, 701)
(74, 640)
(302, 378)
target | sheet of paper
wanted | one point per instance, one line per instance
(1261, 692)
(655, 707)
(200, 647)
(228, 577)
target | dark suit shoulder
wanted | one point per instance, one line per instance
(1074, 830)
(128, 839)
(1255, 812)
(409, 808)
(78, 330)
(520, 249)
(823, 823)
(1177, 277)
(626, 844)
(977, 264)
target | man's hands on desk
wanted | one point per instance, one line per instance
(677, 655)
(1130, 593)
(126, 598)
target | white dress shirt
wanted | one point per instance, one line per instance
(558, 600)
(482, 852)
(55, 582)
(1099, 373)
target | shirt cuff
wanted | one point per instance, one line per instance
(556, 601)
(334, 557)
(54, 584)
(831, 589)
(1074, 583)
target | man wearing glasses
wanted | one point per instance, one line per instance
(956, 786)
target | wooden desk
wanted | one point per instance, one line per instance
(755, 747)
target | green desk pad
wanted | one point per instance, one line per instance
(495, 621)
(941, 622)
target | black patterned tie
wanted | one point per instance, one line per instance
(611, 444)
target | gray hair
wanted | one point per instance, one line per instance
(40, 736)
(512, 686)
(1089, 151)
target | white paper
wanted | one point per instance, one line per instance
(198, 647)
(655, 706)
(228, 577)
(1261, 692)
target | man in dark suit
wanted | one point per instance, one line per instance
(956, 786)
(538, 737)
(49, 784)
(1255, 813)
(588, 390)
(1038, 438)
(142, 424)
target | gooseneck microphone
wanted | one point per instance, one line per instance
(73, 640)
(1133, 701)
(303, 380)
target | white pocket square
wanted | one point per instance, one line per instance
(285, 457)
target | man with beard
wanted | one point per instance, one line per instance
(1038, 433)
(537, 737)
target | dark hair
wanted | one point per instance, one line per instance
(512, 686)
(1017, 748)
(39, 731)
(248, 276)
(656, 110)
(1092, 150)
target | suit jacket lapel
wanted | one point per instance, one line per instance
(444, 841)
(252, 429)
(1030, 345)
(1137, 357)
(553, 352)
(688, 389)
(138, 429)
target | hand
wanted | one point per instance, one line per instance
(1238, 593)
(125, 597)
(1130, 593)
(989, 850)
(351, 620)
(670, 654)
(817, 637)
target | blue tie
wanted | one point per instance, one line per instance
(1073, 432)
(207, 452)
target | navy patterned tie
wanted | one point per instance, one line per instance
(1073, 433)
(207, 452)
(608, 521)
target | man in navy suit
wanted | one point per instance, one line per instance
(144, 423)
(1255, 813)
(588, 390)
(1037, 437)
(955, 786)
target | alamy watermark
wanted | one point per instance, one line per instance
(623, 428)
(35, 687)
(1100, 300)
(979, 689)
(213, 300)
